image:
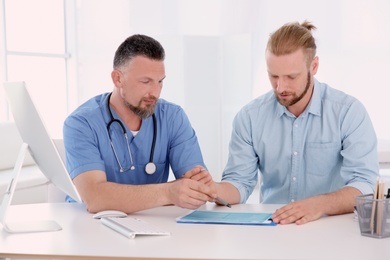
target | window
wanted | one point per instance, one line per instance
(36, 50)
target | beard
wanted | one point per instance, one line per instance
(295, 99)
(140, 111)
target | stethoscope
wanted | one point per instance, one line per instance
(150, 167)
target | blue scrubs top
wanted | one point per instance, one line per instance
(87, 143)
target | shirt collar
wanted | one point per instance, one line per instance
(314, 106)
(104, 107)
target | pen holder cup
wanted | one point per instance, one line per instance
(374, 216)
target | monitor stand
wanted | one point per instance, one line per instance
(22, 227)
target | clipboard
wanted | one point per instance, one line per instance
(227, 218)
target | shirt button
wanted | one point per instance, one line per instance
(292, 200)
(294, 178)
(295, 153)
(295, 125)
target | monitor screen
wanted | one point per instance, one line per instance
(33, 132)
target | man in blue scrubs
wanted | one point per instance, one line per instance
(121, 145)
(314, 146)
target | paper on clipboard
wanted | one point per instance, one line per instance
(227, 218)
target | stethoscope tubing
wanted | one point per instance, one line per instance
(150, 167)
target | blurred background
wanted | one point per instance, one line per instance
(63, 50)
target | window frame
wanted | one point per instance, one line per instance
(69, 56)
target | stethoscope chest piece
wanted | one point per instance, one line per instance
(150, 168)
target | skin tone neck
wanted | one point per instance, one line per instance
(292, 79)
(137, 84)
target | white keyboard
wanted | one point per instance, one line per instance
(130, 227)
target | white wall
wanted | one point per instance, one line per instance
(215, 53)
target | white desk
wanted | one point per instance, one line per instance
(336, 237)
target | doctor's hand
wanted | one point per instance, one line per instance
(202, 175)
(300, 212)
(198, 173)
(193, 189)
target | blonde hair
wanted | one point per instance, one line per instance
(292, 37)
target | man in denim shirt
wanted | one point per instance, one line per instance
(314, 146)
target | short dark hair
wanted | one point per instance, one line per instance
(138, 45)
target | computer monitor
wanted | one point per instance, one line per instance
(22, 227)
(33, 132)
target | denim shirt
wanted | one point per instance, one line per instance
(332, 144)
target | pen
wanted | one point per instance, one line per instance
(221, 201)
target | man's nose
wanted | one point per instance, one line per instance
(155, 89)
(281, 85)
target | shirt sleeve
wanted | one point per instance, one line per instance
(360, 166)
(185, 151)
(82, 153)
(242, 166)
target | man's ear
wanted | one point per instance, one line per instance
(315, 64)
(117, 78)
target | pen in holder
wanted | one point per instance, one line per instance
(373, 215)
